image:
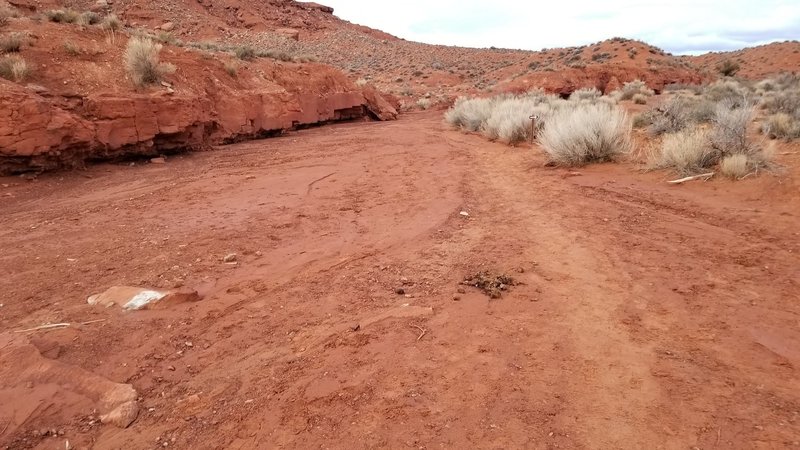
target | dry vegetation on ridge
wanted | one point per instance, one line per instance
(699, 129)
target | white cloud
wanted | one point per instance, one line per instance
(679, 26)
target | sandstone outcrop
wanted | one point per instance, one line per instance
(44, 127)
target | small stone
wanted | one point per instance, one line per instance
(259, 253)
(400, 291)
(464, 214)
(168, 26)
(456, 298)
(231, 257)
(158, 160)
(189, 344)
(461, 291)
(171, 368)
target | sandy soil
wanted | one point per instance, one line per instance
(648, 315)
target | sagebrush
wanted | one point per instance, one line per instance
(143, 63)
(586, 133)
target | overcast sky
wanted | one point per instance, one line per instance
(677, 26)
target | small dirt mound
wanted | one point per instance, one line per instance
(491, 284)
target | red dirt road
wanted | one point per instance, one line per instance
(650, 316)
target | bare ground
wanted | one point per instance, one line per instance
(648, 315)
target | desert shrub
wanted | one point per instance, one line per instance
(11, 43)
(781, 126)
(424, 103)
(632, 88)
(361, 82)
(729, 131)
(643, 120)
(14, 68)
(143, 63)
(585, 94)
(735, 166)
(688, 151)
(509, 121)
(470, 113)
(165, 37)
(62, 15)
(7, 12)
(275, 54)
(88, 18)
(728, 67)
(71, 49)
(244, 52)
(679, 113)
(640, 99)
(727, 90)
(232, 69)
(586, 133)
(111, 23)
(304, 58)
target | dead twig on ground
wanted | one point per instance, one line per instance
(52, 326)
(704, 176)
(421, 329)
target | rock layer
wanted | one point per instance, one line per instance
(37, 134)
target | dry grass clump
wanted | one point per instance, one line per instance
(71, 48)
(728, 90)
(729, 131)
(679, 113)
(14, 68)
(111, 23)
(276, 54)
(470, 114)
(244, 52)
(694, 150)
(728, 68)
(143, 63)
(687, 151)
(586, 94)
(781, 99)
(11, 43)
(735, 166)
(507, 118)
(62, 15)
(781, 126)
(7, 12)
(88, 18)
(585, 133)
(424, 103)
(639, 99)
(232, 69)
(632, 88)
(509, 121)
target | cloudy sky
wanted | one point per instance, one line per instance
(677, 26)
